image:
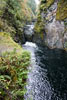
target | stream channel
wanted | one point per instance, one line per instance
(47, 77)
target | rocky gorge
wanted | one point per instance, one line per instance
(33, 44)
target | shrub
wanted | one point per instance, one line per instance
(13, 75)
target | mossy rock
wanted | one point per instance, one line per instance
(7, 43)
(65, 46)
(61, 10)
(45, 5)
(40, 24)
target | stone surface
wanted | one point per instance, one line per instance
(56, 30)
(29, 32)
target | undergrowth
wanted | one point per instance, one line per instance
(13, 75)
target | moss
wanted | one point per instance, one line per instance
(7, 43)
(39, 28)
(65, 46)
(62, 10)
(49, 2)
(40, 24)
(46, 5)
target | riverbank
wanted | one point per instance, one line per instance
(14, 62)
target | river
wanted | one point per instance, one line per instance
(47, 77)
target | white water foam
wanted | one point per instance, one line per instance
(30, 44)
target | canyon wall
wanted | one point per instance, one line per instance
(51, 25)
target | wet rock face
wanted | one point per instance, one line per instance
(56, 29)
(55, 32)
(29, 32)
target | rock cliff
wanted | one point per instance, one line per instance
(51, 23)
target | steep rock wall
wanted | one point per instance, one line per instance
(52, 22)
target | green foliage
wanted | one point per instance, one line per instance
(32, 5)
(2, 6)
(13, 16)
(62, 10)
(40, 24)
(13, 75)
(43, 1)
(39, 28)
(45, 4)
